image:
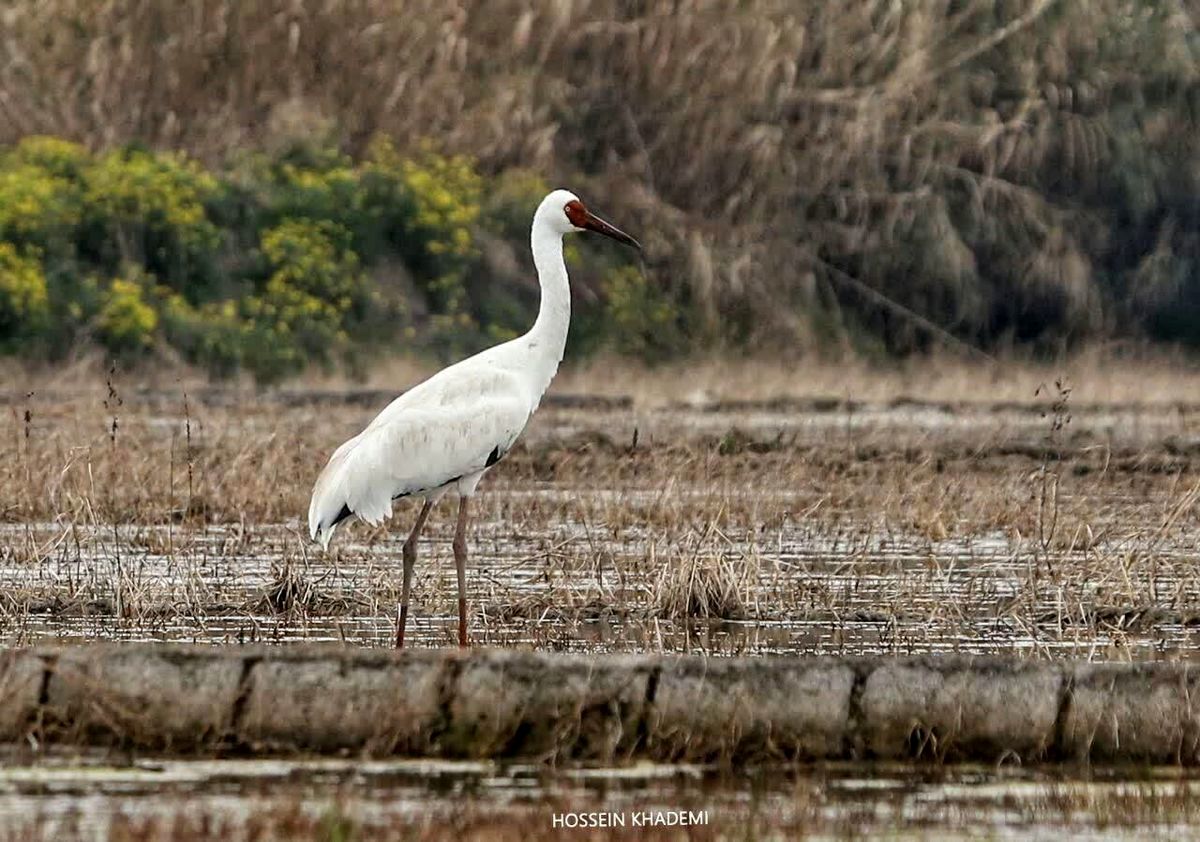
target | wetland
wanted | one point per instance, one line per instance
(1039, 522)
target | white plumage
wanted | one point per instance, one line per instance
(447, 431)
(437, 435)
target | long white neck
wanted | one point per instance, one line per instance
(547, 339)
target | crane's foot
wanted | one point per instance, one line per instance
(462, 624)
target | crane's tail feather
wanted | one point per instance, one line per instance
(324, 535)
(327, 509)
(352, 484)
(323, 530)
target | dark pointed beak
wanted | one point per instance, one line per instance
(595, 223)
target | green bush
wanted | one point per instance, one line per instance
(280, 262)
(427, 208)
(150, 209)
(213, 336)
(303, 183)
(642, 321)
(24, 303)
(37, 207)
(127, 323)
(445, 195)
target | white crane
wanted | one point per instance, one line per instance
(445, 432)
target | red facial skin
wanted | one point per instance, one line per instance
(581, 217)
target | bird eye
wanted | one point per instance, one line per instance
(576, 213)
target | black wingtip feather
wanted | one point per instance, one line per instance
(342, 515)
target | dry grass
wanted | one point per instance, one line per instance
(863, 523)
(1137, 375)
(1102, 376)
(710, 577)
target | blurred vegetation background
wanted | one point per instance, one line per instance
(262, 186)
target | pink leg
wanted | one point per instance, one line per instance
(410, 561)
(460, 563)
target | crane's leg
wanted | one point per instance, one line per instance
(410, 561)
(460, 563)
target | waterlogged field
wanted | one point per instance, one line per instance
(159, 799)
(857, 521)
(786, 526)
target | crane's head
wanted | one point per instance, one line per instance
(564, 213)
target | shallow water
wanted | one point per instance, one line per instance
(91, 797)
(801, 589)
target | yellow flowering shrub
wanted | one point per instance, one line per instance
(24, 303)
(151, 208)
(314, 258)
(446, 193)
(433, 203)
(141, 187)
(59, 157)
(640, 319)
(278, 260)
(302, 312)
(36, 206)
(126, 322)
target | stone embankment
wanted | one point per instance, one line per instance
(609, 708)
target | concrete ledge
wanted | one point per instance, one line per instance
(956, 708)
(329, 700)
(716, 708)
(179, 698)
(1138, 712)
(525, 704)
(502, 704)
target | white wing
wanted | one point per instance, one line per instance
(444, 429)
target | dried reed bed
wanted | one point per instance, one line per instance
(786, 162)
(1136, 375)
(113, 451)
(155, 514)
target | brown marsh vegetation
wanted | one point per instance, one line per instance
(693, 515)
